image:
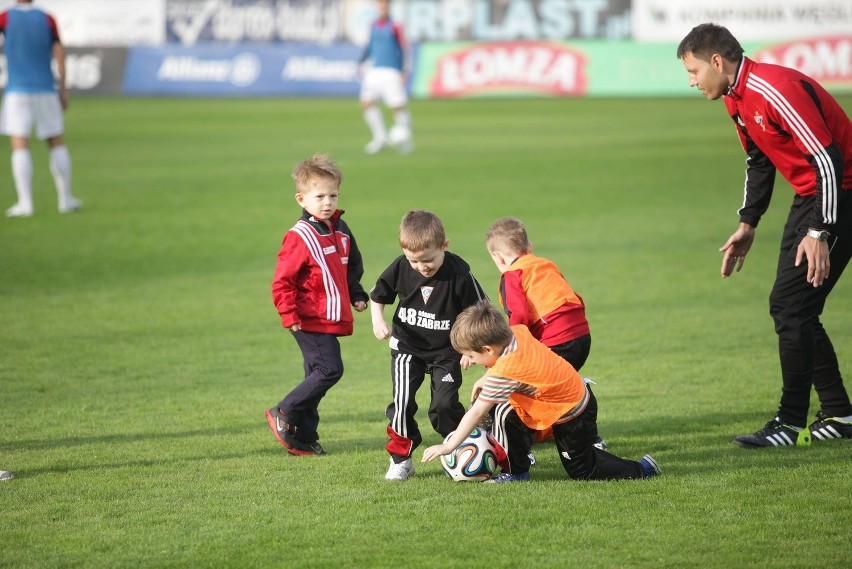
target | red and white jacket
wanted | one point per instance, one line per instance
(318, 276)
(789, 122)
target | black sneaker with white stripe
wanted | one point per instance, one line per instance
(775, 434)
(826, 428)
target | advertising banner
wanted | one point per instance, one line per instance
(826, 59)
(548, 69)
(493, 20)
(246, 69)
(102, 23)
(190, 22)
(87, 70)
(600, 68)
(504, 68)
(754, 20)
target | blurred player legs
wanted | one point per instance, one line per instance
(388, 85)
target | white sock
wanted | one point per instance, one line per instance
(60, 167)
(22, 172)
(403, 118)
(373, 118)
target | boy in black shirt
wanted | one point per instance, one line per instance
(433, 287)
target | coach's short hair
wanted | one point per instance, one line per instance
(706, 39)
(421, 229)
(480, 325)
(318, 166)
(508, 232)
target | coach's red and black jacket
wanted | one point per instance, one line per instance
(318, 276)
(788, 122)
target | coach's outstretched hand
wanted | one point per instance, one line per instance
(736, 248)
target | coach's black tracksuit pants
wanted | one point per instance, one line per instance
(807, 355)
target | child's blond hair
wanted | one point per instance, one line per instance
(508, 233)
(480, 325)
(421, 229)
(318, 166)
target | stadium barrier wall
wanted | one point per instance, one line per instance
(126, 23)
(591, 68)
(463, 48)
(602, 69)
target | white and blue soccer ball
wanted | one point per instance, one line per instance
(475, 460)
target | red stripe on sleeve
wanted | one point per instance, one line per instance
(54, 29)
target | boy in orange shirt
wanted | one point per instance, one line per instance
(533, 292)
(543, 390)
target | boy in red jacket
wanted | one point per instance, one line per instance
(316, 279)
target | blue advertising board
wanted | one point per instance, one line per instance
(243, 69)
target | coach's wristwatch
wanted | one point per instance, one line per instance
(819, 234)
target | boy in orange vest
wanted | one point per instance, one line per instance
(533, 292)
(544, 391)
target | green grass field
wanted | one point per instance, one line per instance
(139, 346)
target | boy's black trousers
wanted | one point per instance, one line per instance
(323, 369)
(575, 442)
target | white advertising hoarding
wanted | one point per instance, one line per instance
(194, 22)
(106, 23)
(749, 20)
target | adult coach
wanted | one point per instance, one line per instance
(32, 98)
(384, 79)
(788, 123)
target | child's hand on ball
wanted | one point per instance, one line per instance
(434, 452)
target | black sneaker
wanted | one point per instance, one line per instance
(775, 434)
(509, 477)
(299, 448)
(826, 428)
(279, 424)
(285, 432)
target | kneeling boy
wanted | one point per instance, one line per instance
(544, 391)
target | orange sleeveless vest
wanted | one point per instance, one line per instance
(545, 286)
(560, 387)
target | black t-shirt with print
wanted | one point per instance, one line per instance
(428, 306)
